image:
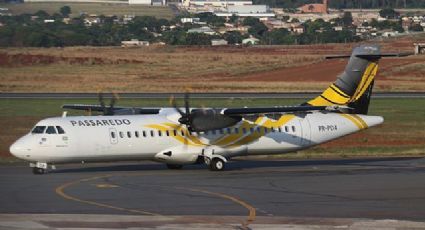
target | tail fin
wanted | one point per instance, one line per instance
(354, 86)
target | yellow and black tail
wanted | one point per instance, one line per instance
(354, 86)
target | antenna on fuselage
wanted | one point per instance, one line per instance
(64, 113)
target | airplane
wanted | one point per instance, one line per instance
(182, 136)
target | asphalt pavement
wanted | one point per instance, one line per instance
(250, 193)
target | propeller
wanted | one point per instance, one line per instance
(200, 120)
(110, 109)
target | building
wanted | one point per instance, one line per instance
(218, 42)
(140, 2)
(190, 20)
(134, 43)
(315, 8)
(215, 3)
(203, 30)
(259, 11)
(250, 41)
(419, 48)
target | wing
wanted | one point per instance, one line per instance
(115, 110)
(280, 109)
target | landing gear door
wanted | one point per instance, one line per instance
(113, 136)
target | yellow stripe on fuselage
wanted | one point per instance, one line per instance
(355, 121)
(229, 140)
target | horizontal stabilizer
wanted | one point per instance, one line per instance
(371, 56)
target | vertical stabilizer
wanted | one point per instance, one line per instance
(354, 86)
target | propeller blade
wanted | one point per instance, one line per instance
(102, 102)
(186, 103)
(174, 104)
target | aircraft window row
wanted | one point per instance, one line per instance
(168, 133)
(48, 130)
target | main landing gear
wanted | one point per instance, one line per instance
(217, 164)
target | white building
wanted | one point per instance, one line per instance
(260, 11)
(134, 43)
(215, 3)
(218, 42)
(140, 2)
(250, 41)
(203, 30)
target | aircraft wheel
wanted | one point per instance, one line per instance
(217, 164)
(173, 166)
(38, 171)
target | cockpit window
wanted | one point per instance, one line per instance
(38, 129)
(60, 130)
(51, 130)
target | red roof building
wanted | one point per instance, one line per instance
(315, 8)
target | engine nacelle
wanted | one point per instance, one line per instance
(178, 155)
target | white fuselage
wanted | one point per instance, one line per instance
(161, 138)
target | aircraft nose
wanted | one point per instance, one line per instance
(19, 149)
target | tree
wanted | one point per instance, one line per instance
(257, 28)
(389, 13)
(347, 19)
(233, 37)
(416, 27)
(65, 11)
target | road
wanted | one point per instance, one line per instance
(198, 95)
(249, 193)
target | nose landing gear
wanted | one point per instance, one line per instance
(40, 168)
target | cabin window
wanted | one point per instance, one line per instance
(258, 129)
(265, 130)
(213, 132)
(207, 132)
(60, 130)
(144, 133)
(136, 134)
(175, 132)
(229, 130)
(236, 130)
(129, 134)
(280, 129)
(167, 133)
(286, 129)
(182, 132)
(221, 131)
(113, 135)
(293, 129)
(244, 130)
(251, 130)
(121, 135)
(38, 129)
(51, 130)
(159, 133)
(273, 129)
(152, 134)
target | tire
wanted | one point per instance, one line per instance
(217, 164)
(38, 171)
(173, 166)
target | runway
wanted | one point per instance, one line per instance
(249, 192)
(300, 95)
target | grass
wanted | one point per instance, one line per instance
(106, 9)
(402, 133)
(149, 69)
(173, 69)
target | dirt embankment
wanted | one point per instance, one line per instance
(16, 60)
